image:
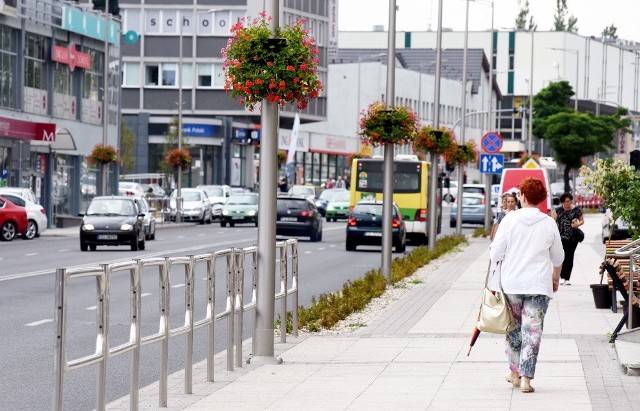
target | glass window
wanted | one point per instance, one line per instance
(131, 20)
(93, 77)
(7, 67)
(169, 74)
(205, 75)
(35, 53)
(152, 75)
(131, 74)
(152, 21)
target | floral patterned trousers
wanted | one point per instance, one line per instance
(523, 343)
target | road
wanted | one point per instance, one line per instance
(27, 305)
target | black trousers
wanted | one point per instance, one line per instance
(569, 247)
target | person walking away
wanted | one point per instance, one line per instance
(340, 183)
(282, 185)
(568, 218)
(529, 250)
(509, 203)
(329, 183)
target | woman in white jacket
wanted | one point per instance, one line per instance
(529, 249)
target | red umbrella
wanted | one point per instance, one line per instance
(474, 336)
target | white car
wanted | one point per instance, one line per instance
(21, 191)
(36, 216)
(195, 205)
(130, 189)
(218, 195)
(618, 230)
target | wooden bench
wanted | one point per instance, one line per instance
(624, 263)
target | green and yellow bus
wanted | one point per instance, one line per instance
(410, 184)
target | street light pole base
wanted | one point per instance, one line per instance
(264, 360)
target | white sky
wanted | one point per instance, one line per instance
(417, 15)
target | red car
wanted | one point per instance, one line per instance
(13, 220)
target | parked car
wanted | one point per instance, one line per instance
(37, 217)
(326, 194)
(13, 220)
(365, 226)
(218, 195)
(240, 208)
(338, 205)
(473, 209)
(128, 188)
(195, 205)
(297, 216)
(618, 230)
(149, 219)
(112, 220)
(22, 191)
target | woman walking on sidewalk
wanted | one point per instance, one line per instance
(529, 248)
(569, 218)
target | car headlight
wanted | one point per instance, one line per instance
(329, 208)
(251, 213)
(126, 227)
(225, 212)
(88, 227)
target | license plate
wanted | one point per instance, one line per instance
(373, 234)
(288, 219)
(107, 237)
(237, 217)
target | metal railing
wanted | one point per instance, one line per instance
(233, 312)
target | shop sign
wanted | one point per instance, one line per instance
(245, 136)
(27, 130)
(198, 130)
(90, 25)
(72, 57)
(333, 144)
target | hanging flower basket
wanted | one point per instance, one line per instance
(430, 140)
(276, 66)
(178, 158)
(381, 125)
(355, 156)
(462, 154)
(102, 154)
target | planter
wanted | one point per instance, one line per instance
(636, 315)
(601, 295)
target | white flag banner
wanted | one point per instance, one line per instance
(293, 140)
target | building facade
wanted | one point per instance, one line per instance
(52, 94)
(177, 61)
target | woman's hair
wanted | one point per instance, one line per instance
(564, 196)
(534, 190)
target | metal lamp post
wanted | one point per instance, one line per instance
(463, 127)
(105, 109)
(530, 132)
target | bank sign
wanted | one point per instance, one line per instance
(27, 130)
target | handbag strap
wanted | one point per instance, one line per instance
(498, 267)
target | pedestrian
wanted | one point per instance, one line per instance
(568, 218)
(529, 252)
(282, 185)
(329, 183)
(340, 183)
(509, 203)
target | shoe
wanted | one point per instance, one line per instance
(567, 282)
(527, 389)
(563, 281)
(514, 382)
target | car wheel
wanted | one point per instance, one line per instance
(135, 245)
(93, 247)
(153, 234)
(400, 248)
(232, 224)
(83, 246)
(223, 223)
(320, 235)
(256, 222)
(32, 230)
(350, 245)
(8, 231)
(203, 219)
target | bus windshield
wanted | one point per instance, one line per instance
(406, 177)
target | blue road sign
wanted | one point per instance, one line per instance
(491, 143)
(491, 163)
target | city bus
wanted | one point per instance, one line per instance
(410, 183)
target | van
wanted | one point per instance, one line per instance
(511, 178)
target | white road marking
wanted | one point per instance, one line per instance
(30, 254)
(33, 324)
(65, 250)
(177, 285)
(145, 295)
(333, 245)
(308, 252)
(92, 308)
(322, 248)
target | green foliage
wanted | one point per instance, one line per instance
(610, 32)
(560, 21)
(328, 309)
(381, 125)
(521, 20)
(127, 143)
(619, 185)
(480, 232)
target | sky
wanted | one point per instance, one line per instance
(418, 15)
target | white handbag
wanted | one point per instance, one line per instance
(495, 314)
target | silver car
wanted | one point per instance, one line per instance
(195, 206)
(218, 195)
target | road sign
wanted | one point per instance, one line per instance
(531, 163)
(491, 143)
(491, 163)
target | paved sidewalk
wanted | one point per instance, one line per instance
(414, 354)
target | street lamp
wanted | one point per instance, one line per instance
(433, 181)
(577, 53)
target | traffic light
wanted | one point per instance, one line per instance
(634, 159)
(449, 167)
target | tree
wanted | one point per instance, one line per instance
(127, 143)
(521, 20)
(610, 32)
(114, 6)
(560, 21)
(570, 134)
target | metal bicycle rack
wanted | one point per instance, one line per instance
(233, 313)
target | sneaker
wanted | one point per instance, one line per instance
(563, 281)
(567, 282)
